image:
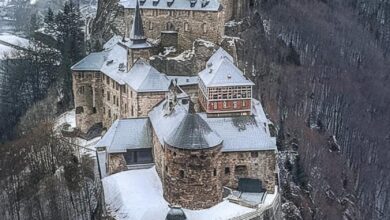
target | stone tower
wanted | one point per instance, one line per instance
(192, 156)
(138, 47)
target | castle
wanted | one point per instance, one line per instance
(180, 22)
(202, 133)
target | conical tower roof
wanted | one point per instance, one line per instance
(137, 34)
(193, 133)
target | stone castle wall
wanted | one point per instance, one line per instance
(192, 177)
(256, 164)
(121, 101)
(87, 92)
(190, 25)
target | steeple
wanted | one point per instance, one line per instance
(137, 34)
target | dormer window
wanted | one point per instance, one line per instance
(205, 3)
(193, 3)
(155, 2)
(170, 2)
(142, 2)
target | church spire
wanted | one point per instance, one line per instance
(137, 34)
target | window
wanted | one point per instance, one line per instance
(79, 110)
(215, 172)
(186, 27)
(132, 111)
(181, 173)
(108, 96)
(204, 28)
(150, 25)
(94, 110)
(215, 105)
(114, 99)
(244, 103)
(109, 113)
(166, 169)
(241, 170)
(227, 170)
(235, 104)
(224, 104)
(141, 156)
(81, 90)
(254, 154)
(107, 80)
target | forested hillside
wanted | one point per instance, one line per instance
(322, 72)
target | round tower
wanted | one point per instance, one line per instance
(192, 156)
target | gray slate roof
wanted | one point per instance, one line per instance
(92, 62)
(126, 134)
(137, 30)
(144, 78)
(243, 133)
(164, 124)
(212, 5)
(221, 71)
(176, 213)
(185, 80)
(193, 133)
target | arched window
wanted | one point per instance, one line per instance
(204, 28)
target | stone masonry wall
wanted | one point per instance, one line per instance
(87, 97)
(192, 177)
(190, 25)
(121, 101)
(116, 163)
(147, 100)
(256, 164)
(158, 156)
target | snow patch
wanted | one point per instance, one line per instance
(138, 195)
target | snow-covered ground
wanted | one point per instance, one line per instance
(138, 195)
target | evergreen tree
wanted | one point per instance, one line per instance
(70, 38)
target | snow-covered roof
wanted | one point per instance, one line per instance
(144, 78)
(185, 80)
(163, 123)
(6, 40)
(138, 195)
(221, 71)
(92, 62)
(127, 134)
(242, 133)
(199, 5)
(193, 133)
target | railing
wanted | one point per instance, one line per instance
(140, 166)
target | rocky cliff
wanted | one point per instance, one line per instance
(321, 70)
